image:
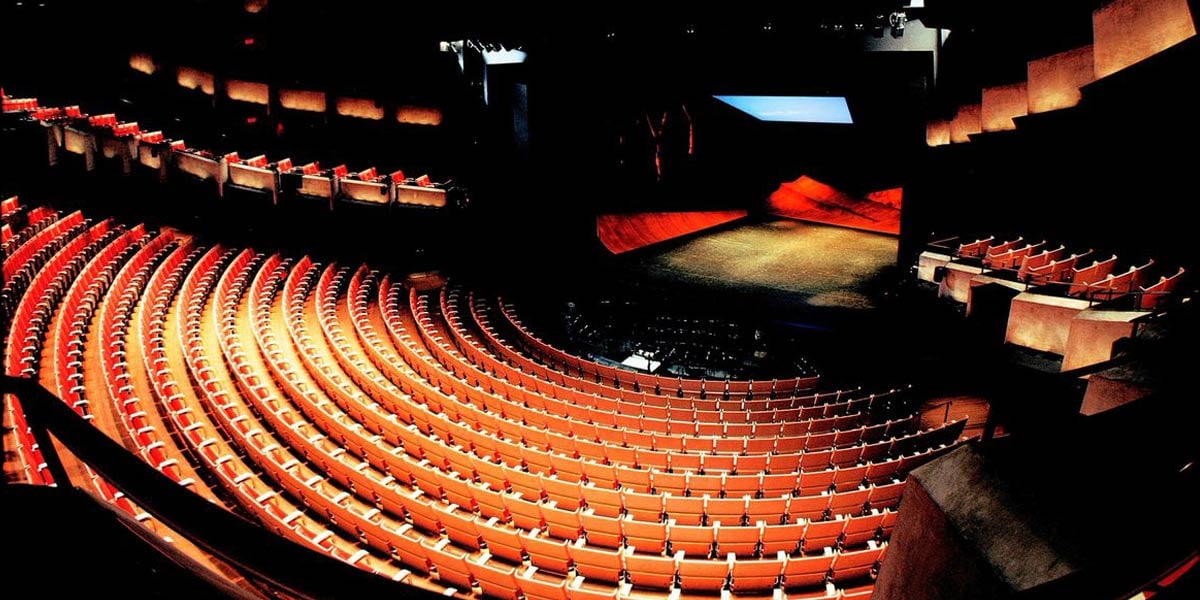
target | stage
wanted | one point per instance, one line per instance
(817, 265)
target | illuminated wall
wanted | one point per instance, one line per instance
(419, 115)
(1003, 103)
(807, 199)
(195, 79)
(937, 133)
(965, 123)
(302, 100)
(248, 91)
(1127, 31)
(622, 233)
(142, 63)
(1054, 80)
(893, 197)
(362, 108)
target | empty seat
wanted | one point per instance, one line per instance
(495, 580)
(742, 541)
(782, 538)
(807, 571)
(757, 575)
(601, 530)
(539, 589)
(860, 530)
(451, 566)
(822, 534)
(547, 554)
(694, 541)
(649, 537)
(849, 566)
(502, 541)
(652, 571)
(604, 564)
(697, 575)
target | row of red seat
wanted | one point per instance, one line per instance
(1038, 264)
(30, 326)
(466, 535)
(76, 311)
(36, 307)
(154, 446)
(277, 512)
(526, 485)
(406, 460)
(194, 269)
(385, 477)
(28, 256)
(90, 282)
(669, 435)
(23, 224)
(271, 447)
(528, 374)
(807, 427)
(10, 104)
(561, 359)
(30, 314)
(736, 395)
(120, 129)
(559, 444)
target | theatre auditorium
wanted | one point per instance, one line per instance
(867, 299)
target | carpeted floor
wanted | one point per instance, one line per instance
(824, 265)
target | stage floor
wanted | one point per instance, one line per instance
(818, 265)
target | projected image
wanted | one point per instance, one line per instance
(793, 109)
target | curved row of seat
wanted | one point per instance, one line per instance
(371, 423)
(467, 534)
(88, 283)
(519, 368)
(23, 224)
(75, 275)
(819, 411)
(27, 259)
(655, 433)
(115, 322)
(232, 421)
(1080, 274)
(62, 254)
(563, 493)
(677, 473)
(698, 388)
